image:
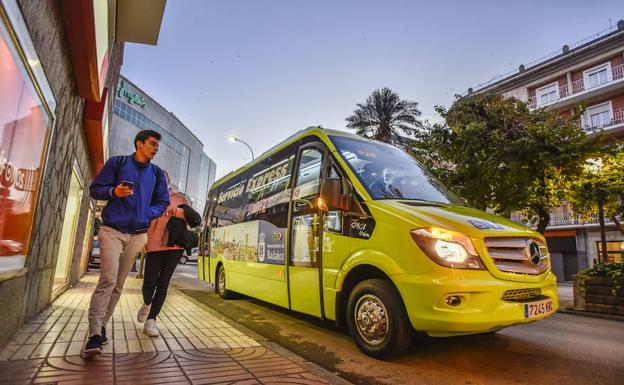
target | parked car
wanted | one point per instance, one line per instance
(94, 258)
(190, 258)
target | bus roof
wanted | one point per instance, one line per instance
(297, 135)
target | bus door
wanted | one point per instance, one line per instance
(304, 247)
(201, 263)
(204, 259)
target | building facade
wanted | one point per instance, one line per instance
(590, 73)
(60, 66)
(181, 153)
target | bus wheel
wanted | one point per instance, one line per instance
(221, 288)
(377, 319)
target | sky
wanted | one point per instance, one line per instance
(264, 69)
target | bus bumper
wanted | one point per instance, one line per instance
(481, 306)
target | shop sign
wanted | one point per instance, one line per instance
(131, 96)
(20, 178)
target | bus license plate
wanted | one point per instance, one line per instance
(536, 309)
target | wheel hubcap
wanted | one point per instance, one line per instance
(221, 282)
(371, 319)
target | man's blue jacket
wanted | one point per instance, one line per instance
(132, 214)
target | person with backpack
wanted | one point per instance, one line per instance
(162, 257)
(136, 192)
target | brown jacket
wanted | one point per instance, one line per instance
(157, 233)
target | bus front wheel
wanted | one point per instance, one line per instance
(221, 288)
(377, 319)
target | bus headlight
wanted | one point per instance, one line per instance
(448, 248)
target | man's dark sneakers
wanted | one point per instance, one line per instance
(94, 347)
(104, 339)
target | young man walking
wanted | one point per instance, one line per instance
(136, 191)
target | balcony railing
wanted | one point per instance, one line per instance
(615, 119)
(560, 219)
(576, 87)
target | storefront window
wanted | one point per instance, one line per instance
(615, 250)
(24, 128)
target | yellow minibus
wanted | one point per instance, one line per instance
(356, 231)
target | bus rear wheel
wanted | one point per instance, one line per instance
(377, 319)
(221, 284)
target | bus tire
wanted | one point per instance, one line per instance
(220, 286)
(377, 319)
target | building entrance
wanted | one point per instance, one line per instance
(68, 234)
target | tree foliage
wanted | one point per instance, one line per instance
(384, 114)
(497, 153)
(606, 175)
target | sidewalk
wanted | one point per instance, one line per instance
(565, 292)
(195, 347)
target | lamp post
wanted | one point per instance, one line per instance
(233, 139)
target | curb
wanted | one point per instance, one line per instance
(590, 314)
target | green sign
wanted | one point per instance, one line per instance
(132, 97)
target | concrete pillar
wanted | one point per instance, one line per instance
(569, 81)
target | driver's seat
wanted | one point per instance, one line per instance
(372, 176)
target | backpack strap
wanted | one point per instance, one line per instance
(119, 163)
(121, 160)
(158, 174)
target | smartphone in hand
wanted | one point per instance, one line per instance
(127, 184)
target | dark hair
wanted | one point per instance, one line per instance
(143, 135)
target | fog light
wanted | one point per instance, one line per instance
(453, 300)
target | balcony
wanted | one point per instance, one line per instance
(566, 218)
(615, 121)
(576, 91)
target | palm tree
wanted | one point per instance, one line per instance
(383, 115)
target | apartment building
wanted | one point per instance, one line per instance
(589, 72)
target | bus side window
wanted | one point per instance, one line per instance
(269, 195)
(309, 174)
(230, 201)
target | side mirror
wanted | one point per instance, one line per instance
(332, 195)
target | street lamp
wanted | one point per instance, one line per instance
(233, 139)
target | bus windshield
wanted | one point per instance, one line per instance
(389, 173)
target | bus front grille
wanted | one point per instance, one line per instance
(518, 255)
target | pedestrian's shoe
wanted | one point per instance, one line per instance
(94, 347)
(150, 328)
(104, 339)
(143, 312)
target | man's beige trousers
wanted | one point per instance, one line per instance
(117, 254)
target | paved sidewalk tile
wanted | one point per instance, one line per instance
(195, 347)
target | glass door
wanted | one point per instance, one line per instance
(87, 242)
(305, 251)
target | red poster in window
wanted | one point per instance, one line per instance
(24, 126)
